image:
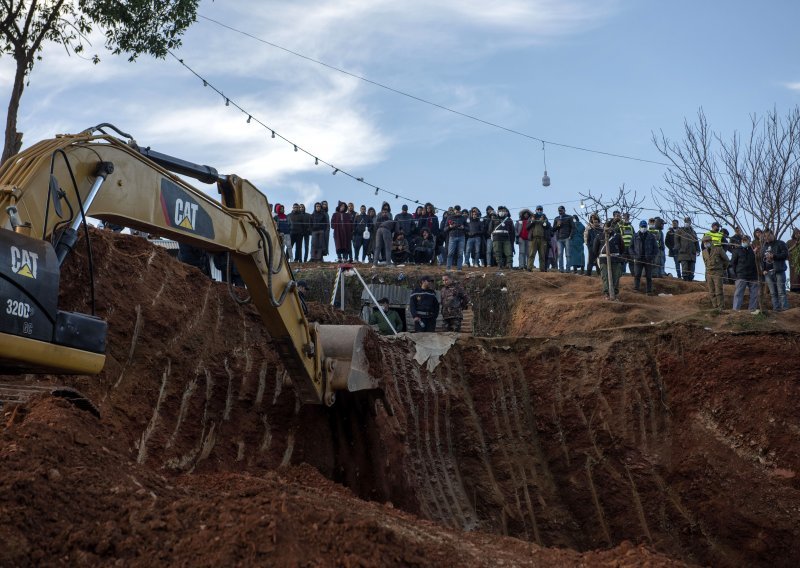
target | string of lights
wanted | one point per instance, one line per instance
(252, 119)
(431, 103)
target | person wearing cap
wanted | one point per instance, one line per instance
(688, 246)
(503, 239)
(716, 262)
(424, 305)
(539, 235)
(626, 231)
(717, 236)
(378, 317)
(644, 249)
(490, 222)
(563, 227)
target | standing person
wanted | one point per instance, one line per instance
(655, 227)
(384, 236)
(716, 234)
(793, 246)
(369, 235)
(591, 233)
(296, 231)
(774, 254)
(405, 220)
(490, 222)
(522, 238)
(327, 237)
(342, 225)
(716, 262)
(454, 302)
(626, 231)
(576, 256)
(475, 232)
(745, 272)
(644, 249)
(378, 317)
(609, 275)
(319, 222)
(456, 231)
(688, 249)
(563, 228)
(305, 222)
(502, 236)
(538, 231)
(672, 247)
(424, 306)
(360, 226)
(284, 228)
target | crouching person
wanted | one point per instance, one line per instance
(384, 317)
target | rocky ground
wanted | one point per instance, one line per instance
(650, 431)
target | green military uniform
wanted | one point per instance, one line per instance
(716, 262)
(375, 318)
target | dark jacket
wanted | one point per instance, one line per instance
(282, 223)
(686, 244)
(405, 222)
(504, 231)
(743, 262)
(538, 226)
(319, 221)
(563, 226)
(615, 247)
(644, 247)
(454, 300)
(361, 223)
(669, 242)
(456, 225)
(780, 252)
(475, 227)
(423, 303)
(296, 220)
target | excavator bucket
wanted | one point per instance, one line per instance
(345, 345)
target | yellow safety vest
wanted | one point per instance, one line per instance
(716, 237)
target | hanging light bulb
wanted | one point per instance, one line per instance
(273, 134)
(249, 118)
(227, 102)
(377, 189)
(583, 206)
(205, 84)
(295, 147)
(545, 177)
(335, 170)
(395, 196)
(316, 161)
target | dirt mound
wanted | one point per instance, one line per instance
(588, 435)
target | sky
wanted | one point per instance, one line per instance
(599, 74)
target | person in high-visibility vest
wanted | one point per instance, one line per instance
(626, 232)
(715, 234)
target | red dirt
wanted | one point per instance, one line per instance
(562, 448)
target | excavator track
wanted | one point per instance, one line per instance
(12, 394)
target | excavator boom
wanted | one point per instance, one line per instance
(104, 177)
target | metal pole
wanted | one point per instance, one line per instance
(611, 293)
(374, 301)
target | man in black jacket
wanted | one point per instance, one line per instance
(563, 227)
(296, 231)
(743, 262)
(672, 247)
(424, 305)
(614, 250)
(644, 249)
(775, 253)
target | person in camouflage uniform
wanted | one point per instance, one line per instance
(454, 301)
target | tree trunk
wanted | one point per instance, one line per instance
(13, 140)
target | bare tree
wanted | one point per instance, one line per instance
(626, 201)
(747, 181)
(133, 27)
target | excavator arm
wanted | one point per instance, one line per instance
(104, 177)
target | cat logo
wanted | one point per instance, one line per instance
(24, 263)
(186, 214)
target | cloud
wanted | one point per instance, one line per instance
(793, 86)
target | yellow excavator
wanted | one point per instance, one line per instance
(48, 191)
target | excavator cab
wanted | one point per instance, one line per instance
(35, 336)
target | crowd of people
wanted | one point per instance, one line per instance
(471, 237)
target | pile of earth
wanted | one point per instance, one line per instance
(587, 436)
